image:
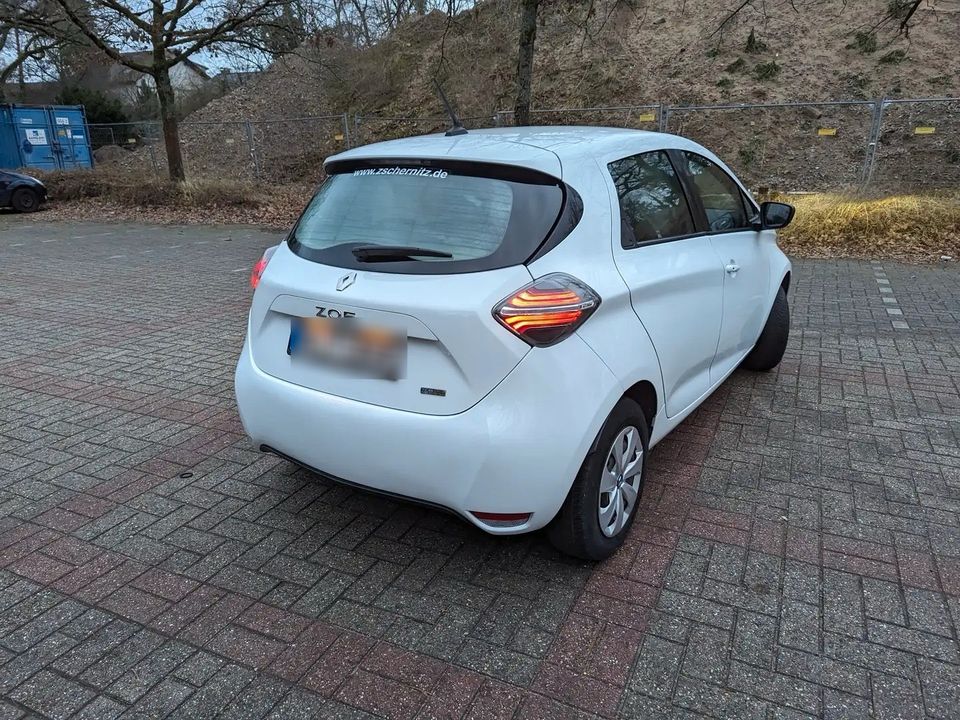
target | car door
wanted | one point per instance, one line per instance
(728, 212)
(674, 275)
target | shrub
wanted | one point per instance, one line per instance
(894, 57)
(98, 108)
(865, 42)
(767, 70)
(897, 9)
(736, 66)
(725, 82)
(755, 45)
(127, 188)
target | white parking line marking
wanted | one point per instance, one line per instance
(888, 298)
(238, 270)
(16, 244)
(174, 247)
(51, 240)
(114, 257)
(202, 242)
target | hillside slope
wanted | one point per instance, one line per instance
(625, 53)
(668, 50)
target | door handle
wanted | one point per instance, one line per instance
(732, 268)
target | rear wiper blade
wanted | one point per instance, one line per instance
(386, 253)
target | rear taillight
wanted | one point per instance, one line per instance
(547, 310)
(261, 265)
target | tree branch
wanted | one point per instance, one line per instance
(730, 17)
(104, 46)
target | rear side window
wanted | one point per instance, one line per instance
(722, 199)
(484, 218)
(652, 203)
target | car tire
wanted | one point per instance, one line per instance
(25, 200)
(771, 345)
(581, 528)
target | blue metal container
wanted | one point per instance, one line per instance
(46, 137)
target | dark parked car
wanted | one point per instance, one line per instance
(21, 192)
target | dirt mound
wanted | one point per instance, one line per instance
(620, 54)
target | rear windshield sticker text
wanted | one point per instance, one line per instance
(418, 172)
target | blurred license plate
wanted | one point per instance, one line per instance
(349, 345)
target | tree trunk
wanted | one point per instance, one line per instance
(171, 126)
(528, 36)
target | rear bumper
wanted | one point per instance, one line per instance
(516, 451)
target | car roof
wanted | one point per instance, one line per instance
(544, 148)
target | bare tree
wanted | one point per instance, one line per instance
(23, 48)
(170, 31)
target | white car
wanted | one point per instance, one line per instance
(502, 323)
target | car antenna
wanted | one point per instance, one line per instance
(458, 128)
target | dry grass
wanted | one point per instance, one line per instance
(112, 194)
(127, 189)
(914, 228)
(917, 228)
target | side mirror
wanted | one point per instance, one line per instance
(775, 215)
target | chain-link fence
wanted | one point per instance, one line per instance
(917, 144)
(870, 144)
(277, 151)
(374, 128)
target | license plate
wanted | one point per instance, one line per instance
(349, 346)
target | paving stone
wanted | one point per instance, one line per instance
(797, 552)
(52, 695)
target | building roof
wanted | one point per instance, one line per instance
(145, 57)
(103, 73)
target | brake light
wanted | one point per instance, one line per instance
(547, 310)
(260, 266)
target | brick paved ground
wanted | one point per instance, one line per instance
(797, 553)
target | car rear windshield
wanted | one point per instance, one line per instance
(482, 216)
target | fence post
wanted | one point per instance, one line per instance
(248, 129)
(663, 117)
(152, 138)
(153, 156)
(346, 131)
(873, 142)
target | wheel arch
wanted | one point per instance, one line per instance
(644, 393)
(785, 283)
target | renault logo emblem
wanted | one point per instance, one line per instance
(346, 281)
